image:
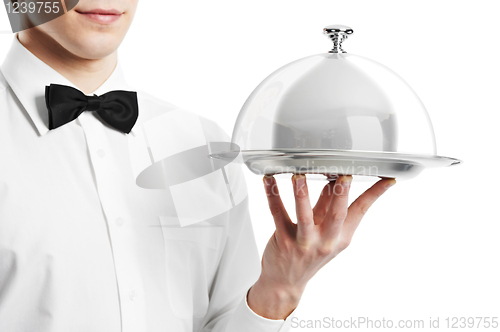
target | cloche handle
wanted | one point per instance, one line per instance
(337, 33)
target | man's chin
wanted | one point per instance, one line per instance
(94, 46)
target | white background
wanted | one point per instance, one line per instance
(430, 246)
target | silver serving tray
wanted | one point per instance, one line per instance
(336, 162)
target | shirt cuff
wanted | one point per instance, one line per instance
(248, 320)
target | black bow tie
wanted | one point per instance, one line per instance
(118, 108)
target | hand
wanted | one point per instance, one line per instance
(296, 251)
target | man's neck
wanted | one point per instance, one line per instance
(86, 74)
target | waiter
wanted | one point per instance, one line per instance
(84, 248)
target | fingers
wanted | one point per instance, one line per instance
(278, 211)
(305, 222)
(323, 202)
(337, 211)
(361, 205)
(339, 218)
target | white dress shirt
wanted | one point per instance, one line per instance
(86, 245)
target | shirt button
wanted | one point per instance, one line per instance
(119, 221)
(132, 295)
(101, 153)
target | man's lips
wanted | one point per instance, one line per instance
(104, 16)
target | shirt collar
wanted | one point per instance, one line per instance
(27, 75)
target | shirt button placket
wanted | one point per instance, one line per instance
(109, 177)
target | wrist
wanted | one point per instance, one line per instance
(273, 301)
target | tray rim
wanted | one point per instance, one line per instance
(426, 160)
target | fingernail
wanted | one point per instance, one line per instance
(390, 183)
(268, 180)
(346, 181)
(300, 180)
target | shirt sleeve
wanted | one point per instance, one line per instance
(238, 270)
(244, 316)
(240, 266)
